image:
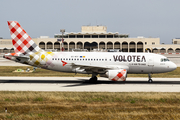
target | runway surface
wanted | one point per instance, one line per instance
(81, 84)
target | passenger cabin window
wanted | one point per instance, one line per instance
(92, 59)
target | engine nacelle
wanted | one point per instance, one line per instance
(116, 75)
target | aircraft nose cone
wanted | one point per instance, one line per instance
(173, 66)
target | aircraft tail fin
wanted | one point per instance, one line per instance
(22, 42)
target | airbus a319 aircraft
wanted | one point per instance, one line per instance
(113, 65)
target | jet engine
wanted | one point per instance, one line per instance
(116, 75)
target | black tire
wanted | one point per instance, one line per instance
(150, 80)
(93, 80)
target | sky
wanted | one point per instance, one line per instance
(148, 18)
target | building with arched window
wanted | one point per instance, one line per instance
(97, 38)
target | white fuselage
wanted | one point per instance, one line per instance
(140, 63)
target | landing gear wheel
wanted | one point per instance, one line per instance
(150, 80)
(93, 79)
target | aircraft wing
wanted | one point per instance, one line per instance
(99, 68)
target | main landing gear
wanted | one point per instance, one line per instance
(150, 80)
(93, 79)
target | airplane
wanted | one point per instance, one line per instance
(113, 65)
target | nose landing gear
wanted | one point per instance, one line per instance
(150, 80)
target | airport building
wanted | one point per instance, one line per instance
(96, 38)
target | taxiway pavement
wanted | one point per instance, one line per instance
(81, 84)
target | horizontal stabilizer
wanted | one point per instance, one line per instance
(19, 57)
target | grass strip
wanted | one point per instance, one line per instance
(89, 105)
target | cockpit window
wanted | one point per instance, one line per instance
(164, 59)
